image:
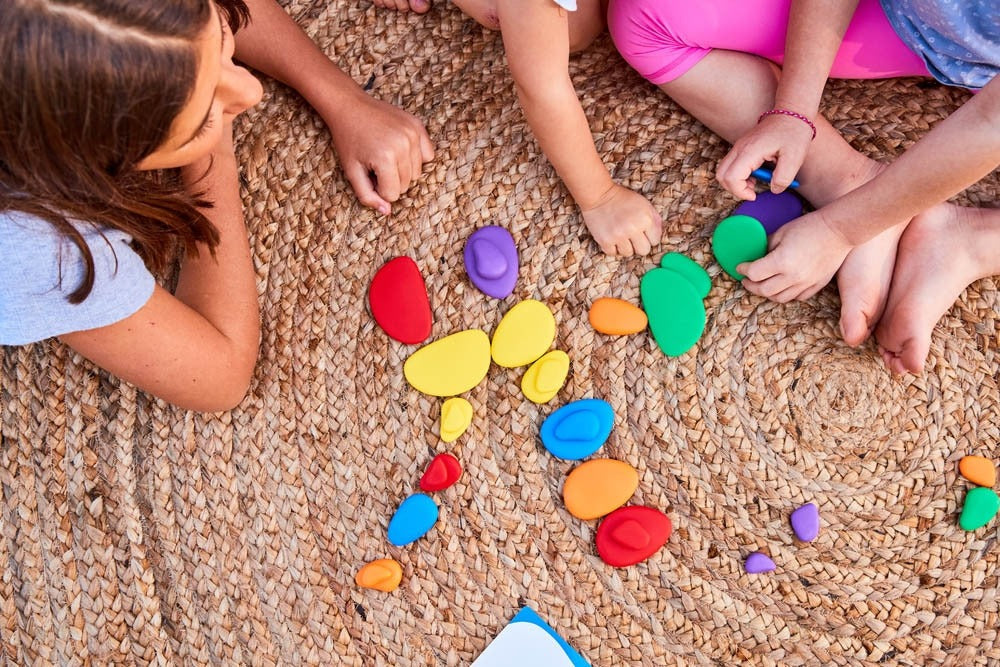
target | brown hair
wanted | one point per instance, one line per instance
(92, 87)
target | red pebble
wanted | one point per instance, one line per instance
(399, 303)
(632, 534)
(443, 471)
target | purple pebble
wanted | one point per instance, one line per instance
(758, 562)
(805, 522)
(491, 261)
(772, 210)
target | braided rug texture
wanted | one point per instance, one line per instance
(137, 533)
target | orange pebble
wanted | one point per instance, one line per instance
(599, 487)
(382, 575)
(616, 317)
(978, 470)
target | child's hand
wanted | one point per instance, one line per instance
(804, 255)
(623, 222)
(382, 149)
(779, 139)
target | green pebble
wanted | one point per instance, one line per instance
(675, 311)
(981, 505)
(738, 239)
(690, 269)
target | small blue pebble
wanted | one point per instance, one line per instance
(578, 429)
(415, 516)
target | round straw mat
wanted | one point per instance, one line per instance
(136, 533)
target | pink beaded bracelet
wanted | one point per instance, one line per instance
(786, 112)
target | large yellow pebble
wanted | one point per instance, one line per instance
(524, 334)
(544, 378)
(450, 366)
(382, 575)
(456, 416)
(599, 487)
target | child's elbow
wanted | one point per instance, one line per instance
(229, 398)
(227, 390)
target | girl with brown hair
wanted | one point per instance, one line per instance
(116, 148)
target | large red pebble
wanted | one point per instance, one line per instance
(399, 303)
(443, 471)
(630, 535)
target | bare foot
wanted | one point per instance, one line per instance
(941, 252)
(418, 6)
(863, 281)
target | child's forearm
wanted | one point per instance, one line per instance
(815, 31)
(958, 152)
(275, 45)
(221, 288)
(536, 39)
(559, 124)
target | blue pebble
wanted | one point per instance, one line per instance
(578, 429)
(415, 516)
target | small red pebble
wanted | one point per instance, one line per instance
(399, 303)
(632, 534)
(443, 471)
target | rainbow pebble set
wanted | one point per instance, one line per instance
(673, 310)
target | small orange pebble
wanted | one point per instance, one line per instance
(978, 470)
(599, 487)
(382, 575)
(616, 317)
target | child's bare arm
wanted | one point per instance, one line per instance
(370, 136)
(815, 31)
(536, 39)
(958, 152)
(196, 349)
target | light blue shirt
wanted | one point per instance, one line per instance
(958, 39)
(39, 269)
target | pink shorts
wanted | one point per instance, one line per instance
(663, 39)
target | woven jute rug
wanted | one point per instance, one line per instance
(136, 533)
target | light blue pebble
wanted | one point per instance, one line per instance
(578, 429)
(415, 516)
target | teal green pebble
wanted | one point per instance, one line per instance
(738, 239)
(690, 269)
(981, 505)
(675, 310)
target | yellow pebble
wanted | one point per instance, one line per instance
(524, 334)
(381, 575)
(599, 487)
(543, 380)
(456, 415)
(451, 365)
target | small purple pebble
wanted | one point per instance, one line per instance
(758, 562)
(772, 210)
(805, 522)
(491, 261)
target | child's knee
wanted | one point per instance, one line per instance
(649, 36)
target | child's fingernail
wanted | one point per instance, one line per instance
(384, 209)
